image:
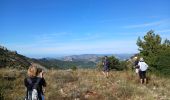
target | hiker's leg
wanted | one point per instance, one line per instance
(140, 76)
(104, 73)
(141, 81)
(145, 80)
(42, 97)
(144, 76)
(107, 71)
(107, 74)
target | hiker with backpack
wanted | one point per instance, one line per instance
(34, 84)
(142, 70)
(106, 67)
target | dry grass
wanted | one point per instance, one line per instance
(11, 86)
(87, 85)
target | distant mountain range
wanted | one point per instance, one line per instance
(80, 61)
(60, 64)
(83, 57)
(12, 59)
(94, 57)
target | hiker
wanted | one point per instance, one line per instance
(142, 70)
(106, 66)
(40, 73)
(136, 65)
(34, 84)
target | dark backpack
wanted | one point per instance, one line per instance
(106, 62)
(33, 93)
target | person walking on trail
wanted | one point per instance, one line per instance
(34, 84)
(142, 70)
(106, 66)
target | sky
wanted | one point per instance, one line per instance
(49, 28)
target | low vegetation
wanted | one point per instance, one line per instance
(84, 84)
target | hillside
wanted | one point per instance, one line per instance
(55, 63)
(87, 85)
(12, 59)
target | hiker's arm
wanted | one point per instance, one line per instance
(25, 82)
(43, 82)
(139, 64)
(42, 74)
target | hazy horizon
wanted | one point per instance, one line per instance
(64, 55)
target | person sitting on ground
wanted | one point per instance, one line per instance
(106, 66)
(33, 84)
(142, 70)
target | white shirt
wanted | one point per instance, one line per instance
(142, 66)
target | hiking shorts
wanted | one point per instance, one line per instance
(142, 74)
(106, 69)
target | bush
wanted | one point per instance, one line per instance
(163, 63)
(114, 63)
(74, 68)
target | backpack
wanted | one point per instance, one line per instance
(106, 62)
(33, 93)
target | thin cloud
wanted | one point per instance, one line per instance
(163, 31)
(146, 24)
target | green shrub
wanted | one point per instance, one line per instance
(74, 68)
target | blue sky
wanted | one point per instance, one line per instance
(39, 28)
